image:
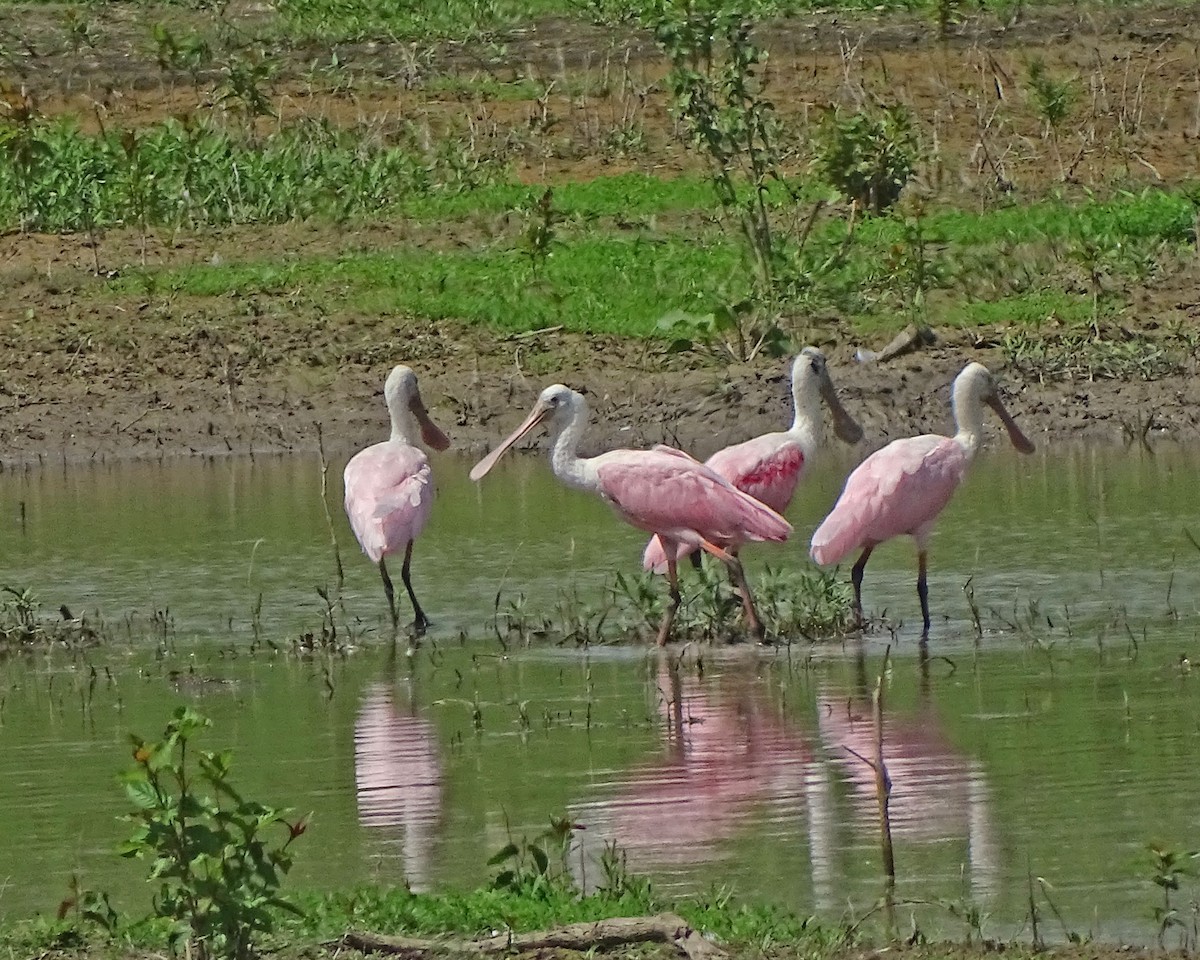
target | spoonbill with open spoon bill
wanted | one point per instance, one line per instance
(662, 491)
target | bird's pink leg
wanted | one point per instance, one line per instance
(738, 575)
(420, 621)
(670, 548)
(856, 578)
(923, 591)
(391, 594)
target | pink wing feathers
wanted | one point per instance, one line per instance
(767, 468)
(389, 494)
(669, 493)
(899, 489)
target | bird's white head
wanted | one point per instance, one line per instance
(812, 383)
(976, 386)
(557, 405)
(404, 403)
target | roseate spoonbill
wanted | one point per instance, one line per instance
(903, 487)
(389, 487)
(769, 467)
(662, 491)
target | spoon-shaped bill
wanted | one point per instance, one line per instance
(431, 433)
(536, 416)
(844, 425)
(1018, 438)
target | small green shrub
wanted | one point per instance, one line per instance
(537, 867)
(218, 876)
(867, 157)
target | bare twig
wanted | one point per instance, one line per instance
(598, 935)
(883, 783)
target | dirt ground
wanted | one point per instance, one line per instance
(89, 376)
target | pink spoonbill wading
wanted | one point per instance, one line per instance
(770, 466)
(662, 491)
(389, 487)
(902, 488)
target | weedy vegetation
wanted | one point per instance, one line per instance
(217, 870)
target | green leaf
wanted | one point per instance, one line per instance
(504, 853)
(141, 794)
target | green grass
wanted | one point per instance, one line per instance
(1025, 310)
(595, 284)
(475, 19)
(598, 279)
(187, 175)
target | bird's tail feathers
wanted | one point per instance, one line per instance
(767, 525)
(832, 541)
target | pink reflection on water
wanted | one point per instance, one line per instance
(398, 780)
(735, 764)
(938, 795)
(727, 760)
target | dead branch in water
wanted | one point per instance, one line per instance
(598, 935)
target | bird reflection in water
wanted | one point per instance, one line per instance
(398, 780)
(728, 758)
(735, 764)
(938, 795)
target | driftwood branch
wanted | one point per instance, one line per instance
(597, 935)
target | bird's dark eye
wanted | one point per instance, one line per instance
(816, 365)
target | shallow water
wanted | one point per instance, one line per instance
(1057, 747)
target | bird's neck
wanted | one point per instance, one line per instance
(806, 425)
(403, 425)
(565, 461)
(402, 429)
(968, 417)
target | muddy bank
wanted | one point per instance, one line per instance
(478, 391)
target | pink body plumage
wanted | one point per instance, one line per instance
(900, 489)
(663, 491)
(769, 467)
(389, 487)
(389, 496)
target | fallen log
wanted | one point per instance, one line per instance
(591, 935)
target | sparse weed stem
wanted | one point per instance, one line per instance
(718, 94)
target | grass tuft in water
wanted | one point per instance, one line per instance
(794, 604)
(23, 627)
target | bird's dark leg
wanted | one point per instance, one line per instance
(737, 575)
(664, 630)
(856, 577)
(923, 592)
(391, 594)
(420, 621)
